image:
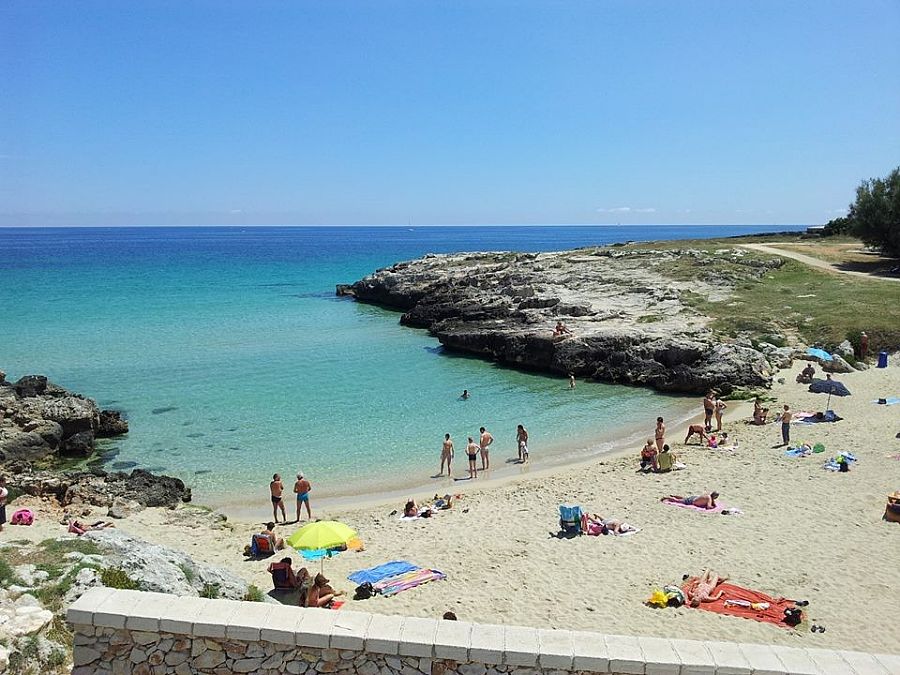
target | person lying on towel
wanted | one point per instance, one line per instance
(700, 501)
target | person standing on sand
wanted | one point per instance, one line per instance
(276, 487)
(472, 452)
(786, 418)
(4, 493)
(863, 346)
(709, 404)
(301, 489)
(446, 454)
(484, 442)
(660, 434)
(522, 443)
(720, 406)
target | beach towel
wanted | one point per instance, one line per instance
(833, 464)
(431, 511)
(802, 417)
(888, 401)
(378, 573)
(672, 502)
(404, 582)
(827, 416)
(774, 613)
(797, 452)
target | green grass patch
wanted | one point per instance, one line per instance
(210, 591)
(60, 547)
(113, 577)
(7, 574)
(817, 306)
(51, 595)
(254, 594)
(188, 572)
(650, 318)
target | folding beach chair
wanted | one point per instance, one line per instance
(570, 519)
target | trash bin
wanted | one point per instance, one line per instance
(882, 359)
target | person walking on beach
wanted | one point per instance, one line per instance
(786, 417)
(522, 443)
(446, 454)
(660, 434)
(276, 487)
(301, 489)
(484, 442)
(472, 452)
(709, 404)
(720, 406)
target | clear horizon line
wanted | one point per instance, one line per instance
(400, 225)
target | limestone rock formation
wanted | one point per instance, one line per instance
(39, 419)
(625, 309)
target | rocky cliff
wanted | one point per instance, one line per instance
(39, 419)
(626, 308)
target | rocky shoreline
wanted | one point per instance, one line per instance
(626, 308)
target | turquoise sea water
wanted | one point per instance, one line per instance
(233, 359)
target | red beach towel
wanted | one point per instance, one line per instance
(773, 614)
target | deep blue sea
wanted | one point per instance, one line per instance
(232, 357)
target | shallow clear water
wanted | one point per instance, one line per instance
(233, 359)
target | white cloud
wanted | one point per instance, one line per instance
(625, 209)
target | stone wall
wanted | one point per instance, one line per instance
(151, 633)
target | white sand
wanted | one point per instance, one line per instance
(806, 533)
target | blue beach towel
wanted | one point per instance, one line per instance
(796, 452)
(389, 569)
(832, 464)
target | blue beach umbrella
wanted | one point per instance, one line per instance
(819, 354)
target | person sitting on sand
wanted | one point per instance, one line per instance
(759, 413)
(698, 429)
(277, 541)
(806, 375)
(561, 329)
(283, 577)
(700, 501)
(717, 441)
(648, 456)
(320, 594)
(411, 510)
(700, 589)
(665, 461)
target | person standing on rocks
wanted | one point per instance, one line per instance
(484, 443)
(446, 454)
(276, 487)
(301, 489)
(660, 434)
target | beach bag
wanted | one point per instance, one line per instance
(22, 517)
(364, 591)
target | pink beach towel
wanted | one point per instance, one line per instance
(718, 509)
(411, 579)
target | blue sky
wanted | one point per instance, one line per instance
(443, 111)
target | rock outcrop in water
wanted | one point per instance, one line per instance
(626, 309)
(39, 419)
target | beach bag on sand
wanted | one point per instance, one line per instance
(22, 517)
(364, 591)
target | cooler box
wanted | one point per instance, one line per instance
(882, 359)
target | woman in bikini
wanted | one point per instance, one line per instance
(660, 434)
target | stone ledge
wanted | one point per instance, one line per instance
(558, 650)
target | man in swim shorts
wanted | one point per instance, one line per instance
(472, 452)
(301, 489)
(485, 441)
(276, 487)
(700, 501)
(446, 454)
(709, 404)
(522, 442)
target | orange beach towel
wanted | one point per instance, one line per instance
(773, 614)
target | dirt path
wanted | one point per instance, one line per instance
(811, 261)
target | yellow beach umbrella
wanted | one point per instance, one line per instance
(322, 534)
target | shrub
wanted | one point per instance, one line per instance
(210, 591)
(114, 577)
(254, 594)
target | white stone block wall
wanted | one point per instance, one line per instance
(120, 632)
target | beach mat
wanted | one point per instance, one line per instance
(773, 614)
(404, 582)
(378, 573)
(691, 507)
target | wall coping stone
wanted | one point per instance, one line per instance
(459, 641)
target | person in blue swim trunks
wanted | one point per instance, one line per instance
(301, 489)
(700, 501)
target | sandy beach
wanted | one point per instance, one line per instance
(805, 533)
